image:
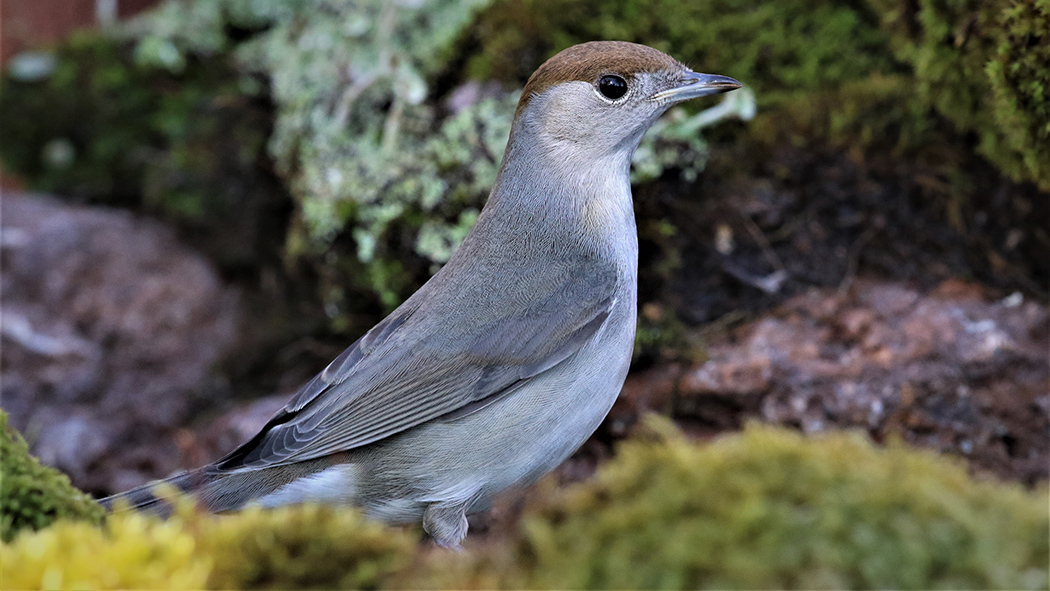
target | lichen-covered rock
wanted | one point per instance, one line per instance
(388, 172)
(32, 496)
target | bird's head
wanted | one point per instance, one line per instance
(597, 99)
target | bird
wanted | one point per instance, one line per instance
(502, 364)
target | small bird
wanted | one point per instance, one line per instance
(510, 356)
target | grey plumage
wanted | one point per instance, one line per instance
(503, 363)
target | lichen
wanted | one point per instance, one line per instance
(379, 169)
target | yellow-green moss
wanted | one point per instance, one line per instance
(299, 547)
(308, 547)
(772, 509)
(768, 508)
(133, 552)
(32, 496)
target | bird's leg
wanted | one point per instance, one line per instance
(447, 523)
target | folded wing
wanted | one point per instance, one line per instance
(410, 368)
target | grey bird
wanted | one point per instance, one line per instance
(511, 355)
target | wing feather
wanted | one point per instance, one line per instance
(410, 368)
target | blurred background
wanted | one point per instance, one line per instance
(206, 201)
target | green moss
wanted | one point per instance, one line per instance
(857, 74)
(1019, 74)
(766, 508)
(772, 509)
(32, 496)
(308, 547)
(132, 552)
(778, 48)
(302, 547)
(76, 130)
(984, 66)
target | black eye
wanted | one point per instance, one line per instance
(612, 87)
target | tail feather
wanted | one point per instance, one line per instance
(215, 490)
(149, 497)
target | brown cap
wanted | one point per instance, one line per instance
(588, 61)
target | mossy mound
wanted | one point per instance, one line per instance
(305, 547)
(33, 496)
(780, 49)
(132, 552)
(856, 73)
(771, 508)
(768, 508)
(986, 67)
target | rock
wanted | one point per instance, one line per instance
(111, 329)
(954, 369)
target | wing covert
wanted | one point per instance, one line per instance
(407, 370)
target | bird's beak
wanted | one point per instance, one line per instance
(693, 84)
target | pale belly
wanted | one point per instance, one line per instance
(513, 441)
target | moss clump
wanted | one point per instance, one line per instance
(307, 547)
(299, 547)
(32, 496)
(1019, 74)
(770, 508)
(986, 67)
(778, 48)
(133, 551)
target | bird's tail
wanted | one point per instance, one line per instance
(155, 497)
(216, 490)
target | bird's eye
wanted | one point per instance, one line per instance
(612, 87)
